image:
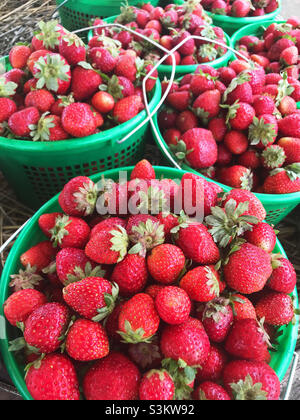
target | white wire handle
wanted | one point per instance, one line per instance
(291, 377)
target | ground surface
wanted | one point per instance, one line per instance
(18, 25)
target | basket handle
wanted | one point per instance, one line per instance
(291, 377)
(13, 236)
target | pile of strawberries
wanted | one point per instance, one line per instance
(241, 8)
(238, 125)
(155, 306)
(168, 27)
(60, 89)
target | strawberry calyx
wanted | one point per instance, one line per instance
(232, 111)
(215, 308)
(274, 156)
(110, 300)
(50, 70)
(119, 242)
(242, 78)
(212, 281)
(276, 260)
(59, 230)
(261, 132)
(25, 279)
(21, 344)
(114, 88)
(49, 34)
(86, 198)
(180, 150)
(80, 274)
(73, 39)
(208, 51)
(183, 376)
(183, 223)
(127, 15)
(7, 89)
(292, 171)
(246, 390)
(230, 222)
(284, 89)
(133, 337)
(145, 236)
(41, 130)
(66, 100)
(152, 201)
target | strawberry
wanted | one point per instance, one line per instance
(207, 105)
(165, 263)
(240, 8)
(236, 142)
(283, 278)
(291, 148)
(49, 37)
(59, 105)
(21, 304)
(187, 341)
(263, 105)
(287, 106)
(213, 368)
(111, 223)
(39, 256)
(20, 122)
(250, 159)
(126, 108)
(242, 307)
(263, 131)
(52, 71)
(126, 66)
(240, 115)
(217, 318)
(138, 319)
(246, 380)
(41, 99)
(157, 385)
(78, 197)
(263, 236)
(283, 180)
(173, 305)
(247, 340)
(179, 100)
(236, 177)
(143, 170)
(19, 55)
(145, 232)
(86, 341)
(239, 89)
(153, 290)
(218, 128)
(45, 326)
(130, 275)
(85, 82)
(255, 207)
(93, 297)
(7, 109)
(197, 244)
(43, 379)
(108, 246)
(210, 391)
(276, 308)
(72, 48)
(289, 56)
(78, 120)
(103, 102)
(201, 82)
(289, 126)
(202, 284)
(113, 378)
(49, 128)
(69, 232)
(237, 274)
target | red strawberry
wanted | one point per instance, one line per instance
(173, 305)
(217, 318)
(41, 99)
(130, 275)
(240, 8)
(213, 368)
(52, 71)
(78, 120)
(138, 319)
(239, 89)
(290, 125)
(79, 197)
(72, 48)
(263, 236)
(87, 341)
(153, 290)
(143, 170)
(157, 385)
(291, 148)
(165, 263)
(240, 115)
(19, 55)
(263, 105)
(283, 278)
(187, 341)
(179, 100)
(45, 326)
(241, 196)
(236, 177)
(283, 180)
(7, 109)
(237, 274)
(242, 307)
(127, 108)
(110, 223)
(236, 142)
(218, 128)
(247, 340)
(44, 379)
(103, 102)
(207, 105)
(103, 59)
(245, 380)
(21, 121)
(85, 83)
(108, 246)
(276, 308)
(113, 378)
(21, 304)
(69, 232)
(93, 297)
(39, 256)
(250, 159)
(210, 391)
(49, 128)
(202, 284)
(126, 66)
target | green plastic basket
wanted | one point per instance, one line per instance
(31, 235)
(38, 170)
(232, 24)
(77, 14)
(166, 71)
(277, 206)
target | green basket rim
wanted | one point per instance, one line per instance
(77, 143)
(265, 198)
(164, 68)
(245, 20)
(9, 359)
